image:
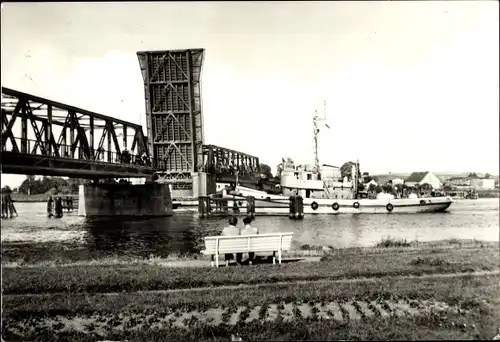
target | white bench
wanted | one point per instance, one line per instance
(276, 243)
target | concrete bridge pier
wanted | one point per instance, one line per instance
(204, 184)
(144, 200)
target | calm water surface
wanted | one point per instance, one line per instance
(33, 236)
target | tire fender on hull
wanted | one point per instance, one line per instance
(314, 206)
(335, 206)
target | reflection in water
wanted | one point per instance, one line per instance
(143, 238)
(33, 234)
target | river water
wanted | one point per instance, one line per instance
(32, 236)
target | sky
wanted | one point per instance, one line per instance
(409, 86)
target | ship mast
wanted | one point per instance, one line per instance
(316, 119)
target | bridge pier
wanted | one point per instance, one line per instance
(204, 184)
(124, 200)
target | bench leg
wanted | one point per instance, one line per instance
(274, 258)
(217, 260)
(279, 256)
(251, 257)
(212, 263)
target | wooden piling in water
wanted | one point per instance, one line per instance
(250, 206)
(8, 208)
(296, 207)
(204, 206)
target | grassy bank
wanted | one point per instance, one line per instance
(50, 254)
(123, 277)
(383, 309)
(397, 290)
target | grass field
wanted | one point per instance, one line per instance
(390, 293)
(52, 254)
(123, 277)
(412, 308)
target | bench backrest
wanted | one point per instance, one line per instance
(248, 243)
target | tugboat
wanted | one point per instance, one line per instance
(325, 191)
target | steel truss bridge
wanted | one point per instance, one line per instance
(44, 137)
(226, 164)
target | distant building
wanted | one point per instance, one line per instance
(482, 183)
(459, 181)
(475, 183)
(397, 181)
(394, 179)
(422, 178)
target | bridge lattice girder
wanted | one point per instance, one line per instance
(221, 160)
(46, 130)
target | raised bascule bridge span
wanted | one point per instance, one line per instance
(172, 90)
(45, 137)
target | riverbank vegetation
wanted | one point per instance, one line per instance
(426, 290)
(334, 266)
(33, 186)
(48, 254)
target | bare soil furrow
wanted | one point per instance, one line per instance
(343, 311)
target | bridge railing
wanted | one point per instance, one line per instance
(33, 147)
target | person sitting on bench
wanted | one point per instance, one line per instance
(249, 230)
(232, 230)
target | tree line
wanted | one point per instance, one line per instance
(34, 186)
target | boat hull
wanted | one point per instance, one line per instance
(279, 205)
(397, 206)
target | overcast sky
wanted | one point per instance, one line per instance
(409, 86)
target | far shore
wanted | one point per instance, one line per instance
(24, 198)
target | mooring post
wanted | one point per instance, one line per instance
(204, 206)
(299, 207)
(4, 207)
(251, 206)
(224, 205)
(12, 208)
(215, 203)
(58, 208)
(296, 207)
(291, 204)
(236, 209)
(208, 205)
(200, 206)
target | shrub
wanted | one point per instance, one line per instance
(392, 242)
(429, 261)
